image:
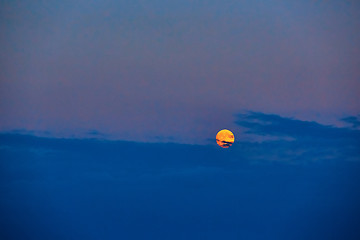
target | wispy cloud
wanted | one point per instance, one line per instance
(271, 124)
(353, 120)
(310, 140)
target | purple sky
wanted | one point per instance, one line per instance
(174, 70)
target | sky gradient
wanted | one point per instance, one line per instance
(174, 71)
(109, 111)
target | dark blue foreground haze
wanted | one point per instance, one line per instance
(306, 188)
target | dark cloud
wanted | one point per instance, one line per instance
(271, 124)
(101, 189)
(353, 120)
(308, 140)
(226, 144)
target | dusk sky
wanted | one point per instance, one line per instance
(109, 111)
(174, 70)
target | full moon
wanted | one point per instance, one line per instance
(225, 138)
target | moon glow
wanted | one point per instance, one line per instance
(225, 138)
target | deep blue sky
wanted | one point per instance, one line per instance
(306, 188)
(109, 111)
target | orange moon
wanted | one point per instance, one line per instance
(225, 138)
